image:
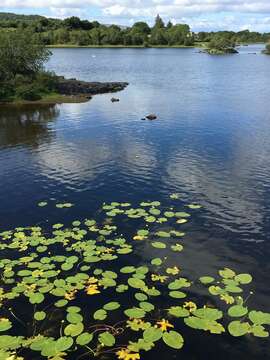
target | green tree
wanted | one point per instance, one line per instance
(180, 35)
(22, 72)
(221, 44)
(72, 23)
(169, 25)
(158, 37)
(21, 55)
(159, 23)
(141, 27)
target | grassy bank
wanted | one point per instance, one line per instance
(50, 99)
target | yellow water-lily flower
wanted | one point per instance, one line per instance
(108, 250)
(160, 278)
(191, 306)
(124, 354)
(92, 280)
(92, 290)
(164, 325)
(138, 237)
(227, 298)
(70, 295)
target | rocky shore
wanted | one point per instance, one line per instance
(75, 87)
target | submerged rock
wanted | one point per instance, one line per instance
(76, 87)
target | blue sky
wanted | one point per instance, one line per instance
(200, 14)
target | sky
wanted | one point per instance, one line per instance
(201, 15)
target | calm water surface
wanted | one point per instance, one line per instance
(211, 144)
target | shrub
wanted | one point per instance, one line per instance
(46, 81)
(28, 92)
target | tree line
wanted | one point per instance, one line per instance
(74, 31)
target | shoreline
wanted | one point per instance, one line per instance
(70, 46)
(51, 99)
(196, 45)
(71, 91)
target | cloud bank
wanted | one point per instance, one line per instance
(204, 14)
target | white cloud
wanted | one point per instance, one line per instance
(202, 13)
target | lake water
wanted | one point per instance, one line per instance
(211, 144)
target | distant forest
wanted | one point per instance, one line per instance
(74, 31)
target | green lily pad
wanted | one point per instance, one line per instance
(173, 339)
(84, 339)
(136, 283)
(152, 334)
(100, 314)
(158, 245)
(112, 306)
(74, 329)
(39, 315)
(237, 311)
(237, 328)
(106, 339)
(135, 313)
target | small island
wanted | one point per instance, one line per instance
(23, 78)
(221, 46)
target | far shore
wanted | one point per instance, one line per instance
(118, 46)
(196, 45)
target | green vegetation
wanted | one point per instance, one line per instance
(267, 49)
(219, 45)
(76, 32)
(21, 68)
(64, 289)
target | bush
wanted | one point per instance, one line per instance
(46, 81)
(28, 92)
(6, 91)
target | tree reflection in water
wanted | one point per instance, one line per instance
(27, 124)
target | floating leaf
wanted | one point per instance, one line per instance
(237, 311)
(259, 317)
(243, 278)
(237, 328)
(84, 339)
(128, 269)
(63, 344)
(74, 329)
(158, 245)
(136, 283)
(100, 314)
(177, 294)
(5, 324)
(111, 306)
(39, 315)
(178, 311)
(173, 339)
(146, 306)
(106, 339)
(156, 261)
(135, 313)
(42, 203)
(141, 297)
(206, 280)
(36, 298)
(152, 334)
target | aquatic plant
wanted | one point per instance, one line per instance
(65, 290)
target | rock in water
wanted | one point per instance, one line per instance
(76, 87)
(151, 117)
